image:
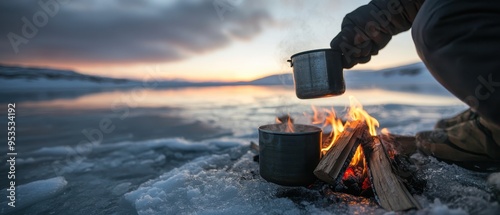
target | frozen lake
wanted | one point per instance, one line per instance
(186, 151)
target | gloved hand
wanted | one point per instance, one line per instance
(369, 28)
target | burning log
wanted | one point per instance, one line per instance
(332, 166)
(387, 187)
(389, 191)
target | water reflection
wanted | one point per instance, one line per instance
(205, 97)
(208, 112)
(236, 108)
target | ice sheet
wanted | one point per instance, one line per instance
(33, 192)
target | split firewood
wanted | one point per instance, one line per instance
(332, 166)
(396, 147)
(390, 192)
(405, 145)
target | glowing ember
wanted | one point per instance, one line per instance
(349, 172)
(366, 184)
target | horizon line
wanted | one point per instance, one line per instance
(2, 64)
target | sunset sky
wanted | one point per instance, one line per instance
(187, 39)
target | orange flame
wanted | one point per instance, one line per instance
(385, 131)
(317, 117)
(329, 118)
(358, 157)
(288, 126)
(337, 128)
(356, 112)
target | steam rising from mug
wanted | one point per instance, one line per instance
(318, 73)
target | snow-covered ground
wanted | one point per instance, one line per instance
(146, 166)
(216, 176)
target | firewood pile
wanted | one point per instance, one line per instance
(384, 174)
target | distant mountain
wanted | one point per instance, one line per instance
(11, 72)
(412, 77)
(280, 79)
(415, 73)
(408, 78)
(407, 74)
(403, 75)
(27, 79)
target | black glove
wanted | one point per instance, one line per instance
(369, 28)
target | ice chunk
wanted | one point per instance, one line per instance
(33, 192)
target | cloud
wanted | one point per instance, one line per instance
(126, 31)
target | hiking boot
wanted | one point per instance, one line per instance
(472, 144)
(459, 118)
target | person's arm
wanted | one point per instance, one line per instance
(369, 28)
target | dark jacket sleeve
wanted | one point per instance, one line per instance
(370, 27)
(380, 19)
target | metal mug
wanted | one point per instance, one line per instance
(318, 73)
(289, 158)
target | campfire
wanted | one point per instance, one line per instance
(355, 159)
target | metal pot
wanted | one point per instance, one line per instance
(289, 158)
(318, 73)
